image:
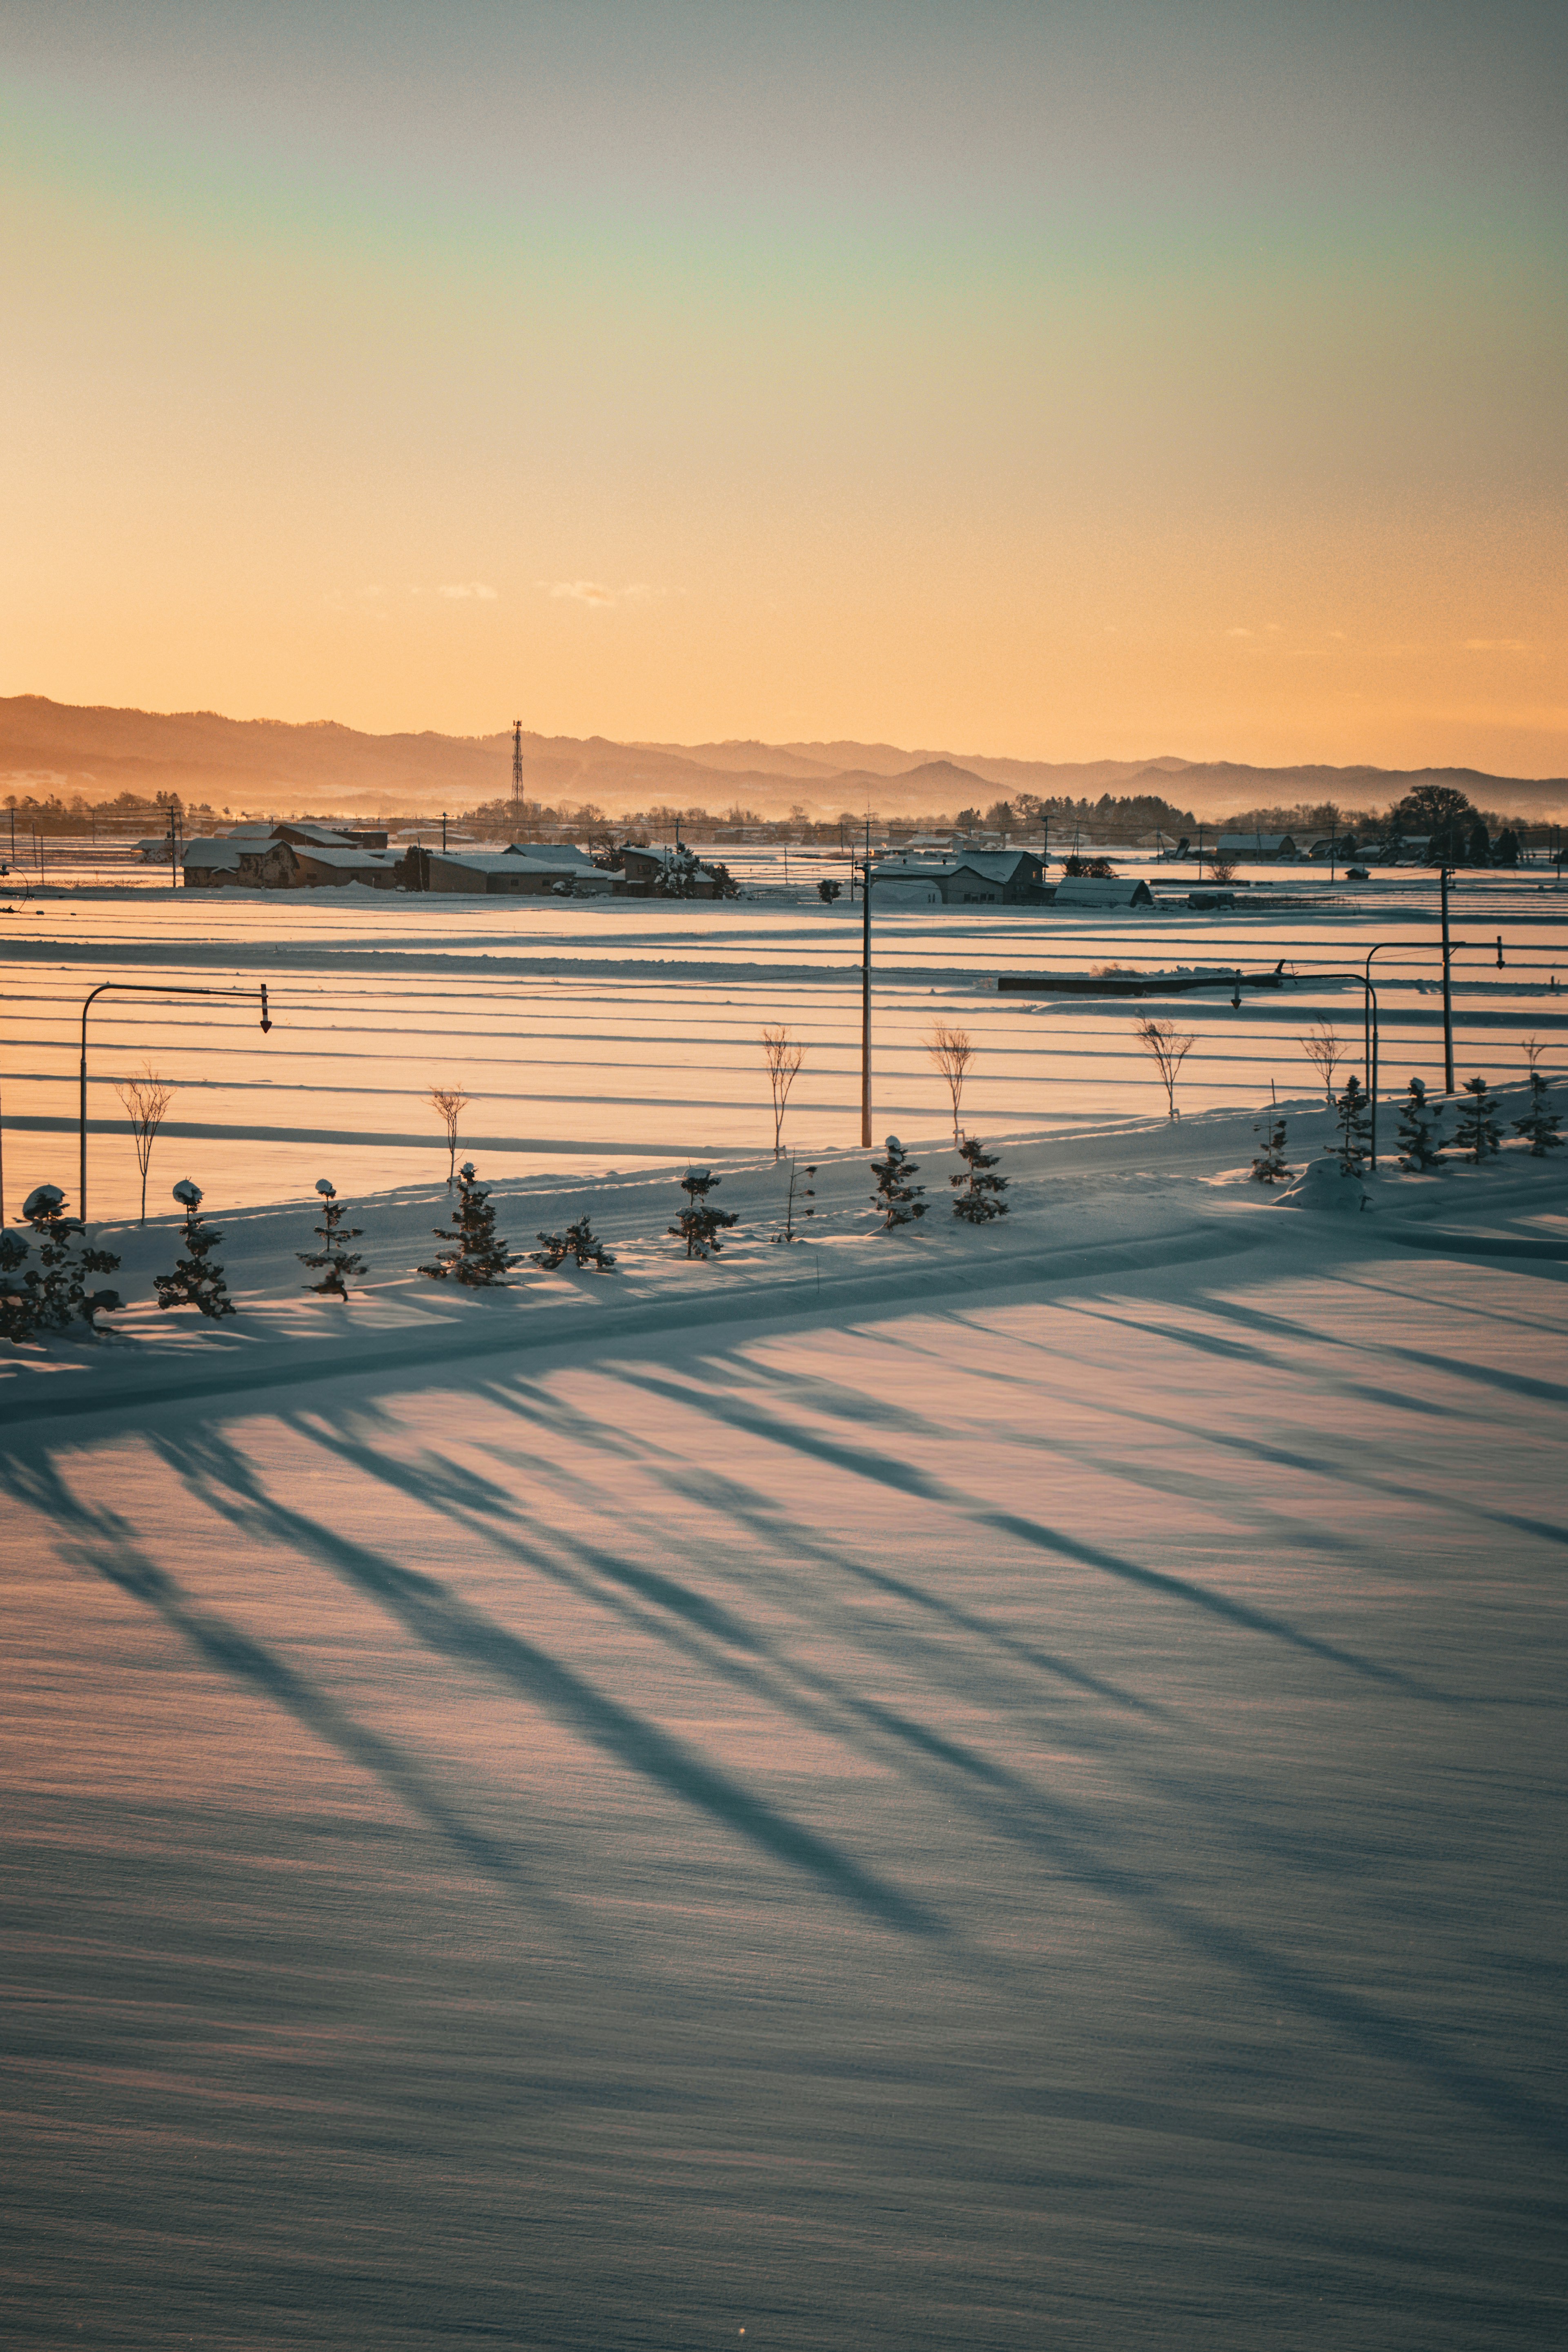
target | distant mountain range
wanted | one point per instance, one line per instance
(264, 767)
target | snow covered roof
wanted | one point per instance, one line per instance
(551, 853)
(1255, 844)
(997, 865)
(353, 860)
(222, 856)
(496, 861)
(1088, 890)
(991, 865)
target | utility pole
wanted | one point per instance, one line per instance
(1447, 996)
(516, 806)
(866, 990)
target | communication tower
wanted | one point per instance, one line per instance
(517, 776)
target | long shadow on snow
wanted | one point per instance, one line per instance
(1079, 1844)
(1343, 1470)
(103, 1544)
(903, 1478)
(741, 1655)
(447, 1625)
(759, 1515)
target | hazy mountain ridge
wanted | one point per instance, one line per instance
(271, 765)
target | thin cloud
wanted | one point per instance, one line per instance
(595, 591)
(476, 588)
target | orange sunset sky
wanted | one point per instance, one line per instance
(1063, 381)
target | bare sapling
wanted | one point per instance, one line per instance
(783, 1056)
(146, 1099)
(1324, 1048)
(951, 1052)
(796, 1193)
(1168, 1048)
(450, 1103)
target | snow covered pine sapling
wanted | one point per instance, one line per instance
(480, 1261)
(1420, 1142)
(1477, 1134)
(343, 1265)
(578, 1241)
(898, 1200)
(1353, 1116)
(53, 1295)
(1268, 1163)
(699, 1225)
(1539, 1125)
(194, 1282)
(976, 1201)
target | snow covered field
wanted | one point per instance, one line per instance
(625, 1036)
(958, 1789)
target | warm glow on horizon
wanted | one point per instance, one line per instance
(1088, 383)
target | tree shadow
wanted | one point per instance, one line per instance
(101, 1543)
(450, 1627)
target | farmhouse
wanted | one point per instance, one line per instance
(676, 872)
(332, 869)
(527, 869)
(209, 865)
(1271, 847)
(1116, 890)
(974, 877)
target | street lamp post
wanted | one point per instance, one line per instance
(1447, 993)
(139, 988)
(866, 990)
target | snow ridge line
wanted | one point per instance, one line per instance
(380, 1354)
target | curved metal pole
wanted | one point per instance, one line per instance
(1370, 1008)
(137, 988)
(1451, 948)
(866, 988)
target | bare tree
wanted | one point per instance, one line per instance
(450, 1103)
(951, 1053)
(783, 1056)
(1533, 1049)
(146, 1099)
(1324, 1047)
(1222, 868)
(1169, 1047)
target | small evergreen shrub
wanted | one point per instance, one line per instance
(1268, 1163)
(1477, 1134)
(1420, 1142)
(341, 1265)
(481, 1260)
(53, 1295)
(699, 1225)
(899, 1201)
(195, 1282)
(1352, 1116)
(578, 1241)
(1539, 1124)
(977, 1188)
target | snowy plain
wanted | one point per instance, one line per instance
(947, 1789)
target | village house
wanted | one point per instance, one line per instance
(1103, 890)
(524, 869)
(644, 869)
(973, 879)
(1274, 848)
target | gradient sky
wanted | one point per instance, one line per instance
(1097, 379)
